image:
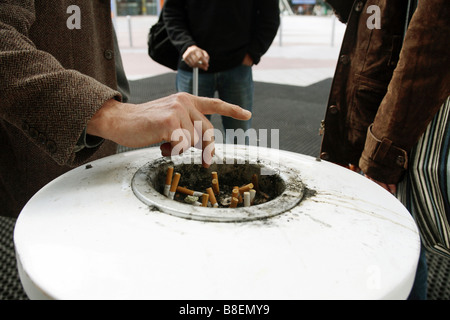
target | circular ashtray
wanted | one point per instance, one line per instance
(279, 188)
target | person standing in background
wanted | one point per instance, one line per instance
(224, 39)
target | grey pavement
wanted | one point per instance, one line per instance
(304, 52)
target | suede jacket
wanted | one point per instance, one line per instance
(390, 81)
(53, 78)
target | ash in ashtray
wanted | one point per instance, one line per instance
(220, 186)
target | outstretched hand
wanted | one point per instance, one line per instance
(176, 119)
(392, 188)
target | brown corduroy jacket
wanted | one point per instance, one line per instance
(387, 88)
(52, 80)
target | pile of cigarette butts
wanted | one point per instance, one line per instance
(242, 196)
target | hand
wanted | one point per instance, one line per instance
(169, 119)
(248, 61)
(392, 188)
(196, 58)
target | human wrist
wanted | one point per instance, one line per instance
(100, 122)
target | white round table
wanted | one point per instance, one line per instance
(87, 236)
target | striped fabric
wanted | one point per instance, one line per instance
(425, 191)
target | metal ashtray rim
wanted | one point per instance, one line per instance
(143, 187)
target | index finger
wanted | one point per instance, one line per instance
(217, 106)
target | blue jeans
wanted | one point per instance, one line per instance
(233, 86)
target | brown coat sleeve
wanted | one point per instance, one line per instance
(36, 90)
(419, 87)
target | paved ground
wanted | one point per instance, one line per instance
(304, 51)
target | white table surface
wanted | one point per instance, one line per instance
(86, 236)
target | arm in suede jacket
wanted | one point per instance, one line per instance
(388, 86)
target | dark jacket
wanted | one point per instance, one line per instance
(227, 30)
(386, 89)
(52, 81)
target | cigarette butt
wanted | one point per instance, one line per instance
(234, 202)
(215, 182)
(169, 175)
(212, 198)
(190, 199)
(235, 193)
(174, 185)
(175, 181)
(205, 199)
(225, 201)
(189, 191)
(166, 190)
(168, 181)
(265, 195)
(255, 182)
(246, 188)
(197, 204)
(246, 199)
(185, 190)
(215, 186)
(252, 195)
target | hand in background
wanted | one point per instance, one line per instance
(248, 61)
(196, 57)
(392, 188)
